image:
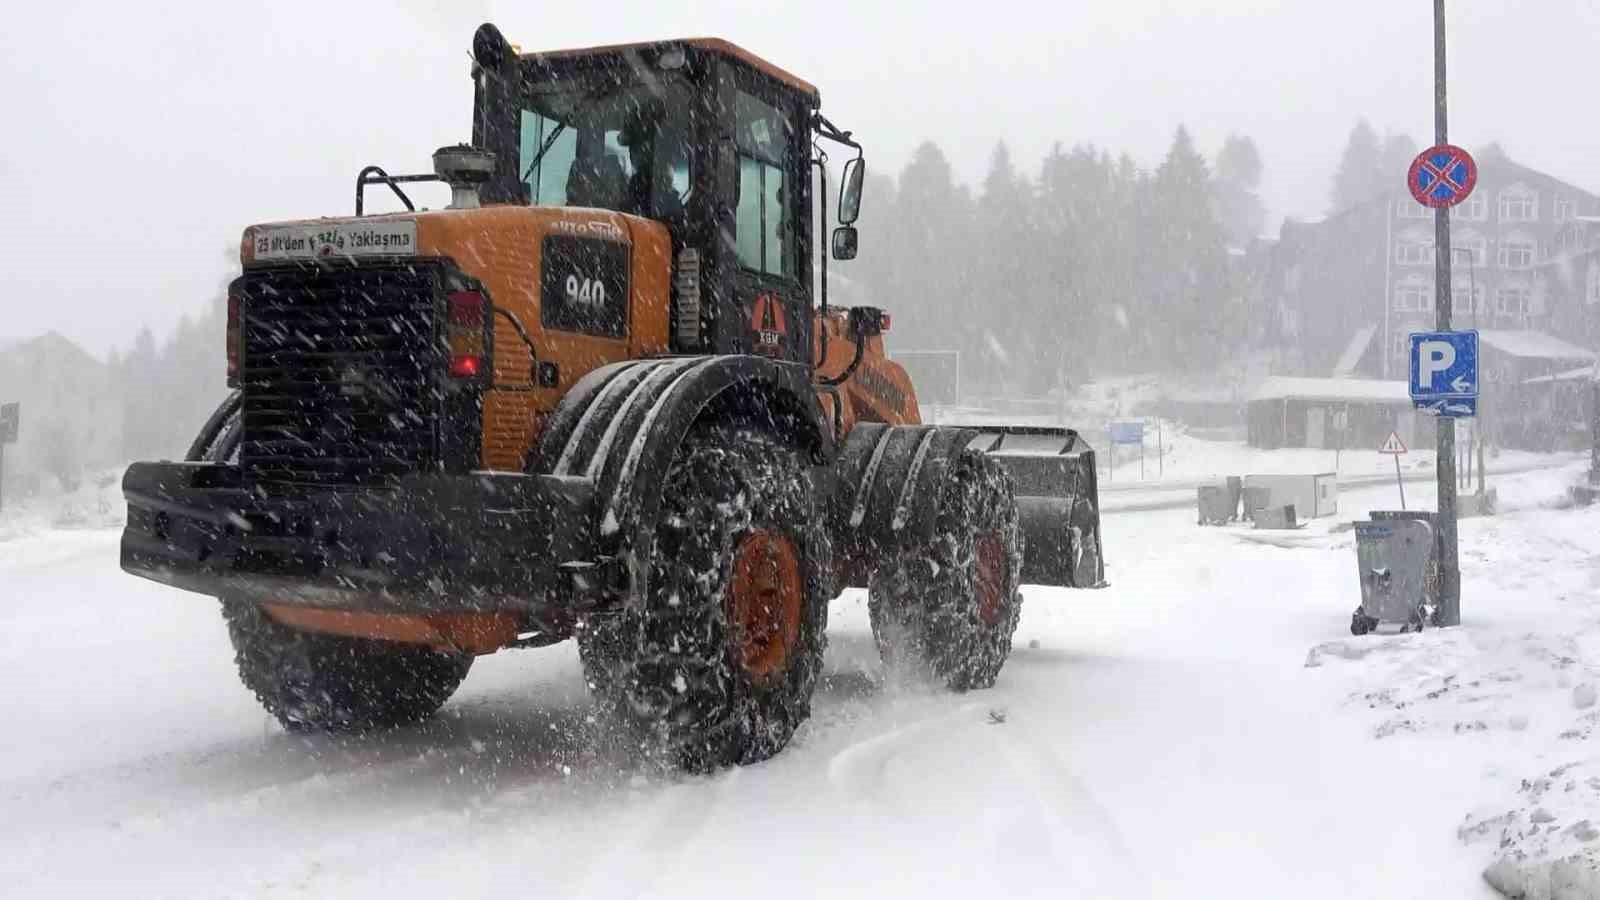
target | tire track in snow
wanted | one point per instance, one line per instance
(643, 850)
(1083, 836)
(860, 768)
(1029, 813)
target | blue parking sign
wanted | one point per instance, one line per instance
(1444, 372)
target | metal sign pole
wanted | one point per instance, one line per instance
(10, 424)
(1449, 563)
(1399, 482)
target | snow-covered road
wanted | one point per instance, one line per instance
(1161, 738)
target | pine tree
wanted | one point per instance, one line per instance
(1398, 152)
(1007, 349)
(1235, 191)
(1188, 279)
(1360, 176)
(923, 250)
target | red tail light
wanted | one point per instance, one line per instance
(465, 319)
(235, 338)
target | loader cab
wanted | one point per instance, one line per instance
(699, 135)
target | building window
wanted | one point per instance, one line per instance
(1413, 252)
(1592, 287)
(1470, 248)
(1513, 300)
(1518, 204)
(1566, 236)
(1411, 294)
(1465, 296)
(1517, 252)
(1400, 343)
(1406, 208)
(1563, 209)
(1474, 209)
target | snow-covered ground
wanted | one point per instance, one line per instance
(1205, 727)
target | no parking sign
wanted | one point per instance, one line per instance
(1442, 176)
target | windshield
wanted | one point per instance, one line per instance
(624, 147)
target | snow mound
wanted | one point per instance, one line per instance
(1549, 843)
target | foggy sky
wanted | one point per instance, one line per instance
(141, 138)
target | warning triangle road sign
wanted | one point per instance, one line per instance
(1393, 445)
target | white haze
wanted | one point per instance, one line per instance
(141, 137)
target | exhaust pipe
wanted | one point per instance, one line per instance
(465, 168)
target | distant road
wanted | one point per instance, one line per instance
(1176, 495)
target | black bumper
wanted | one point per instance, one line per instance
(432, 543)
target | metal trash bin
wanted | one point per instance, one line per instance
(1398, 563)
(1276, 517)
(1218, 504)
(1254, 499)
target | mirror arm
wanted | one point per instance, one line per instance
(821, 162)
(824, 128)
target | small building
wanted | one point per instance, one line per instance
(1333, 413)
(1554, 411)
(1533, 390)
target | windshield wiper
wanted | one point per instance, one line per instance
(544, 148)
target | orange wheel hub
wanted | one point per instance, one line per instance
(764, 602)
(991, 563)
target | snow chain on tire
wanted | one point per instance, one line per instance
(322, 682)
(924, 600)
(315, 682)
(669, 665)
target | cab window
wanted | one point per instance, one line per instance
(546, 176)
(624, 147)
(765, 236)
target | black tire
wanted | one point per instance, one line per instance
(697, 682)
(322, 682)
(1360, 624)
(949, 608)
(1418, 620)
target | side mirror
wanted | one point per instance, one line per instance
(850, 193)
(844, 242)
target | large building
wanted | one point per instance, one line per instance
(1350, 289)
(72, 412)
(1567, 280)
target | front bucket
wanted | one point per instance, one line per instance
(1052, 471)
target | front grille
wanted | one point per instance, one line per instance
(340, 373)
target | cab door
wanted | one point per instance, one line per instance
(771, 220)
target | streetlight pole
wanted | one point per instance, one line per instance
(1449, 563)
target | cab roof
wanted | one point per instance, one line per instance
(707, 44)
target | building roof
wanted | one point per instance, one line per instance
(1498, 165)
(1581, 373)
(53, 345)
(1353, 351)
(1339, 390)
(1533, 345)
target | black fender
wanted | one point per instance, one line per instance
(620, 426)
(886, 493)
(220, 417)
(886, 490)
